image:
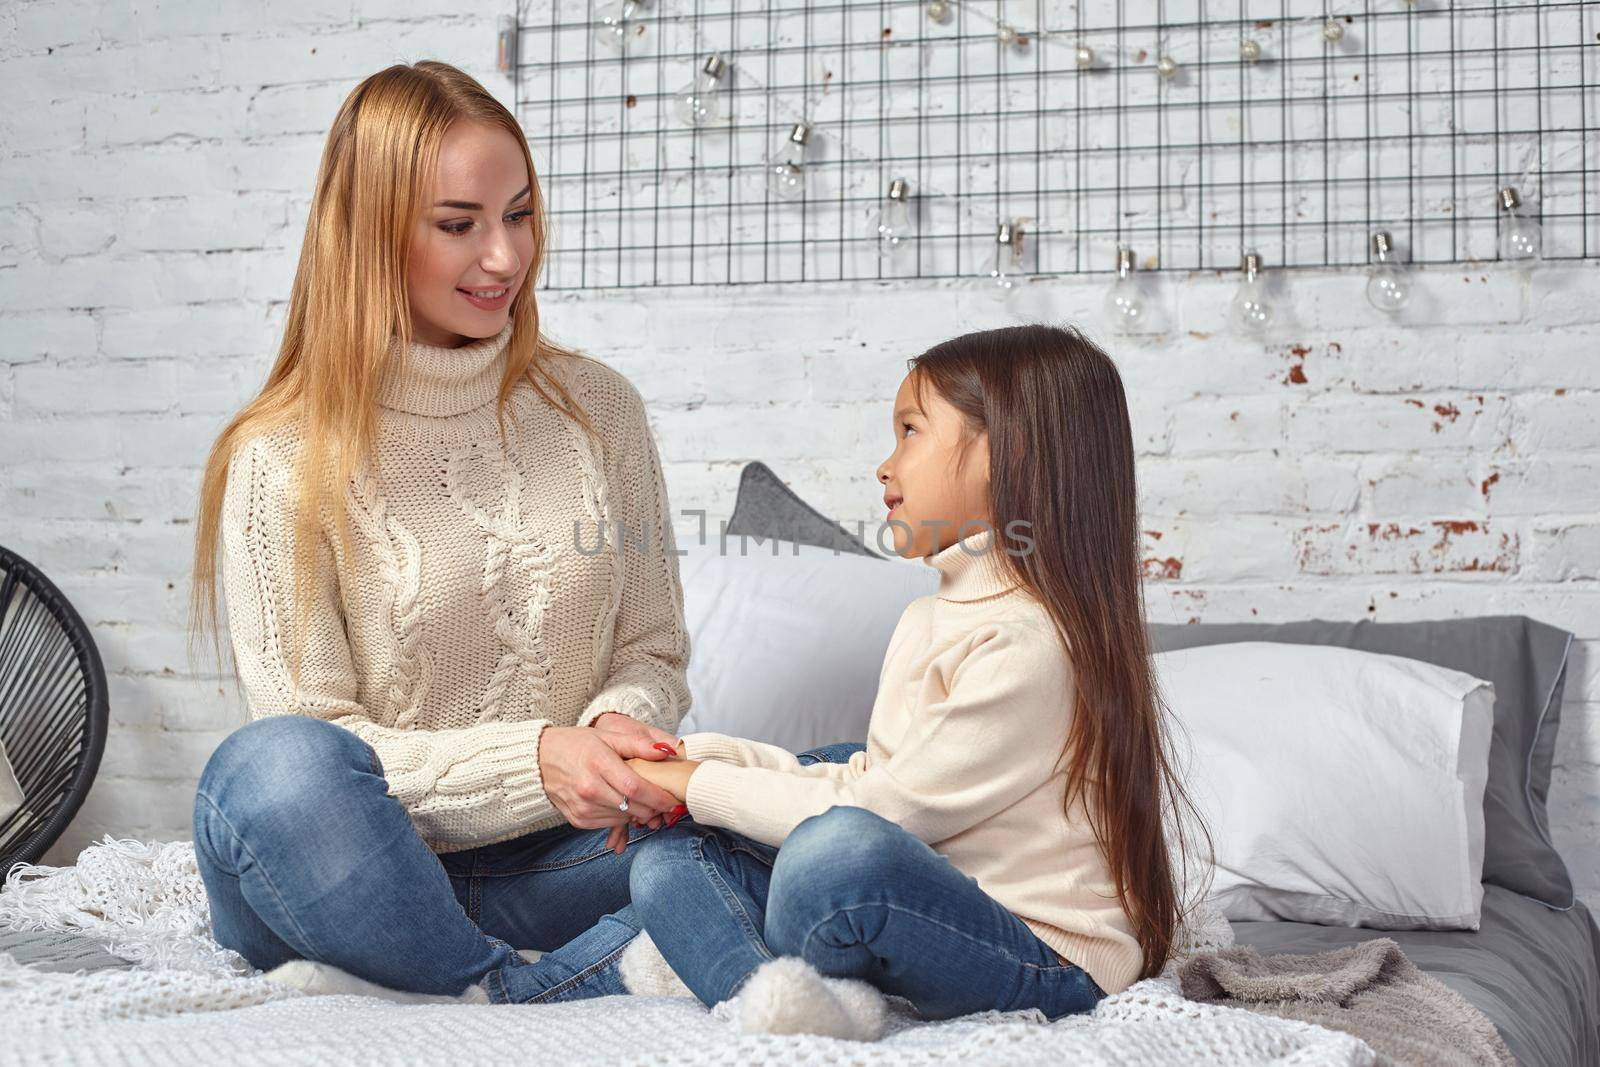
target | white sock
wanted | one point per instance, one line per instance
(647, 973)
(324, 979)
(788, 996)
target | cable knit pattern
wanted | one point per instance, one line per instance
(475, 604)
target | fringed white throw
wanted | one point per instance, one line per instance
(188, 1000)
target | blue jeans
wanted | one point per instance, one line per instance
(856, 896)
(304, 855)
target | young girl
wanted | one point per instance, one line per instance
(1000, 843)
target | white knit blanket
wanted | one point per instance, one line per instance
(188, 1000)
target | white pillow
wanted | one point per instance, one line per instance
(1341, 787)
(787, 649)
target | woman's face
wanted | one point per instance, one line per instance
(929, 490)
(473, 244)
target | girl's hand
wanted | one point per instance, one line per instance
(671, 775)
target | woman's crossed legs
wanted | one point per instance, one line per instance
(304, 855)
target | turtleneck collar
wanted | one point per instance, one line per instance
(971, 569)
(441, 382)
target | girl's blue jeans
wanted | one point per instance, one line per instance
(305, 855)
(855, 896)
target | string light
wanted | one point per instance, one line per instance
(1251, 308)
(1125, 303)
(1521, 237)
(1007, 256)
(940, 11)
(612, 28)
(1523, 233)
(894, 227)
(786, 176)
(1388, 283)
(700, 102)
(1010, 37)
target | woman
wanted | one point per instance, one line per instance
(444, 672)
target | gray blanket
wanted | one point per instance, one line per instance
(1370, 990)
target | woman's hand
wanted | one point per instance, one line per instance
(586, 778)
(616, 722)
(630, 731)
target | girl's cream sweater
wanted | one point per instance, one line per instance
(486, 608)
(963, 750)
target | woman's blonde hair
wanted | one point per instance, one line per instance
(349, 299)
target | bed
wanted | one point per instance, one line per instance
(1532, 969)
(1533, 966)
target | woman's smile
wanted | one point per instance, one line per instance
(491, 299)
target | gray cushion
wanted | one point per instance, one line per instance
(1526, 660)
(766, 508)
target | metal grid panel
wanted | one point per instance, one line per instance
(1408, 123)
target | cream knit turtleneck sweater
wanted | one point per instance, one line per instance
(974, 701)
(486, 609)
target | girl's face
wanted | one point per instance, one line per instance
(925, 481)
(472, 244)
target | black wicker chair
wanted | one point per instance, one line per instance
(52, 708)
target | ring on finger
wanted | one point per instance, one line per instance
(624, 805)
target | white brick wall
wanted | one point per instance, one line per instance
(155, 167)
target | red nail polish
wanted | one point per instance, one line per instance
(680, 810)
(662, 746)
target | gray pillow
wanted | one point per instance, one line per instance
(1525, 659)
(767, 508)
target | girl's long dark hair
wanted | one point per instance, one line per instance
(1061, 459)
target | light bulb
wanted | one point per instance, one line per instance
(1007, 255)
(894, 227)
(1124, 305)
(1249, 50)
(786, 173)
(700, 102)
(611, 29)
(938, 11)
(1333, 31)
(1008, 37)
(506, 46)
(1167, 67)
(1251, 308)
(1521, 236)
(1084, 57)
(1389, 283)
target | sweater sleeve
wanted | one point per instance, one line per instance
(996, 736)
(742, 753)
(460, 786)
(647, 678)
